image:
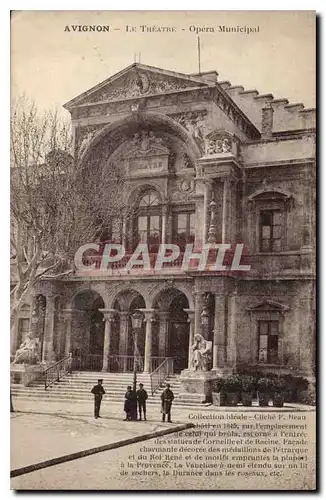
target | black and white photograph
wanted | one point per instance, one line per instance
(163, 250)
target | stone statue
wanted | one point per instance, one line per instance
(27, 352)
(226, 145)
(200, 354)
(85, 141)
(210, 146)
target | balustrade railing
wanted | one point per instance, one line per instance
(121, 364)
(160, 374)
(57, 371)
(87, 362)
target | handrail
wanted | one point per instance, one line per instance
(57, 371)
(161, 373)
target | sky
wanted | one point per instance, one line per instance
(51, 65)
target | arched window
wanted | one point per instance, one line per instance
(148, 221)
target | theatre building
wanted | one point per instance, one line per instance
(203, 161)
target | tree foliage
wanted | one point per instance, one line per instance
(56, 203)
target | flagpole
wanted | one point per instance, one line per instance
(198, 46)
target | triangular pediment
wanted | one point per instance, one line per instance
(136, 81)
(268, 305)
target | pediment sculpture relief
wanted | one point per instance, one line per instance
(140, 83)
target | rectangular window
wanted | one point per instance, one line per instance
(271, 229)
(268, 332)
(184, 228)
(142, 229)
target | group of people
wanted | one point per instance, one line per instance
(135, 400)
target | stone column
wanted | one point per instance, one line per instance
(164, 223)
(163, 333)
(48, 355)
(226, 211)
(231, 334)
(67, 314)
(207, 196)
(199, 304)
(124, 230)
(108, 318)
(123, 339)
(191, 321)
(149, 319)
(220, 323)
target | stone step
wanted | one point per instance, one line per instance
(77, 386)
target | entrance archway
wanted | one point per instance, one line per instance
(173, 329)
(87, 341)
(179, 333)
(122, 343)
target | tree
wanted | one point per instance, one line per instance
(56, 204)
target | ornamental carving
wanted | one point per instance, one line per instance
(145, 144)
(143, 155)
(220, 143)
(141, 83)
(183, 190)
(213, 146)
(194, 123)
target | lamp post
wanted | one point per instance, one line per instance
(136, 321)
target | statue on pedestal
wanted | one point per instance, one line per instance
(200, 354)
(27, 352)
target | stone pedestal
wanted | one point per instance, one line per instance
(25, 374)
(196, 386)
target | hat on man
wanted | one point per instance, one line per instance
(100, 380)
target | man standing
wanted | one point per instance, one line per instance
(98, 392)
(167, 397)
(141, 399)
(130, 406)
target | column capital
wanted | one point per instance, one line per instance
(191, 314)
(109, 314)
(149, 314)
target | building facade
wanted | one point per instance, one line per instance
(203, 162)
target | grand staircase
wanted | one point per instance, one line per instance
(77, 387)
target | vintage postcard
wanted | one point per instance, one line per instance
(163, 250)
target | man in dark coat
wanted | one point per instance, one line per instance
(167, 397)
(130, 406)
(98, 392)
(141, 399)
